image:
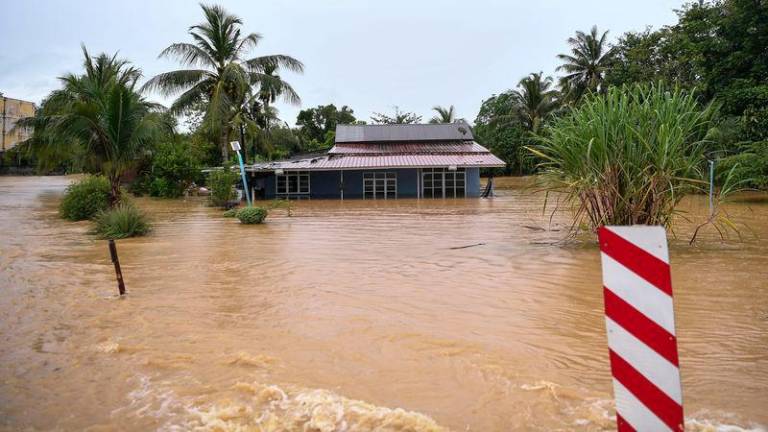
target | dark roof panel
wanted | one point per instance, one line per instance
(403, 132)
(403, 147)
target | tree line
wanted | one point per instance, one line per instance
(717, 50)
(101, 121)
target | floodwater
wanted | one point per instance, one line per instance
(354, 316)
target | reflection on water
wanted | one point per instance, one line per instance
(353, 315)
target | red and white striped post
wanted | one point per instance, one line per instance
(640, 321)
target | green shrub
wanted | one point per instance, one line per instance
(221, 183)
(173, 168)
(140, 186)
(84, 198)
(231, 212)
(750, 168)
(123, 221)
(252, 215)
(162, 187)
(629, 156)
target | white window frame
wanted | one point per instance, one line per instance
(375, 178)
(286, 175)
(459, 175)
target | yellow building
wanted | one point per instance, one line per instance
(11, 111)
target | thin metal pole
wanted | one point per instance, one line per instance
(242, 140)
(116, 262)
(245, 181)
(711, 187)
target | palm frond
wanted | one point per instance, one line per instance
(263, 63)
(188, 54)
(170, 83)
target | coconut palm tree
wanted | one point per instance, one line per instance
(531, 103)
(444, 115)
(100, 113)
(219, 72)
(535, 99)
(272, 89)
(587, 63)
(252, 121)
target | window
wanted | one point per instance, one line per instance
(293, 183)
(443, 183)
(379, 185)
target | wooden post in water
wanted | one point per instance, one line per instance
(116, 262)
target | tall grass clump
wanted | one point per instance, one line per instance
(627, 157)
(85, 198)
(122, 221)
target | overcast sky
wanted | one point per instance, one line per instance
(370, 55)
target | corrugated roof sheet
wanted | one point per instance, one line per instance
(403, 132)
(409, 148)
(333, 162)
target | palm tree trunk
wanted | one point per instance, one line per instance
(114, 191)
(266, 115)
(224, 145)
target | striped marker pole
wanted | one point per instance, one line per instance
(640, 322)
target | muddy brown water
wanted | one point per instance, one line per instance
(354, 315)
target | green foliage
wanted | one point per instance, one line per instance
(652, 56)
(627, 157)
(122, 221)
(749, 168)
(221, 183)
(252, 215)
(315, 123)
(399, 117)
(232, 89)
(500, 127)
(718, 47)
(100, 116)
(174, 167)
(444, 115)
(508, 143)
(85, 198)
(140, 185)
(160, 187)
(755, 123)
(231, 212)
(585, 67)
(533, 102)
(276, 143)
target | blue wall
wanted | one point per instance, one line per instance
(326, 184)
(353, 182)
(473, 182)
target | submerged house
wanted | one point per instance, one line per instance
(382, 162)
